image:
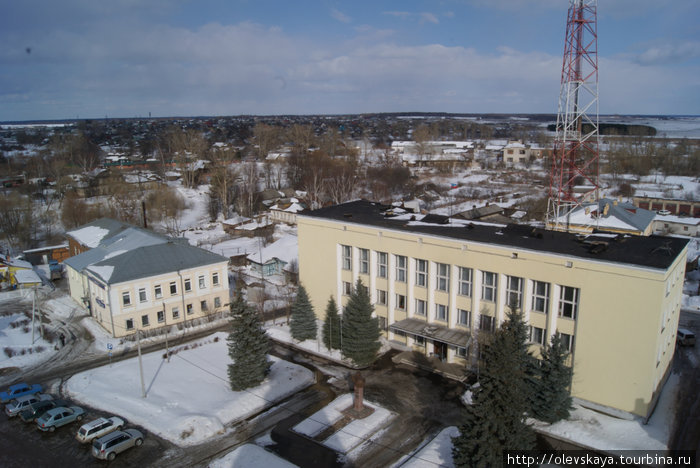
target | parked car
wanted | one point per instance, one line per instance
(98, 428)
(57, 417)
(36, 410)
(685, 337)
(107, 447)
(17, 390)
(22, 403)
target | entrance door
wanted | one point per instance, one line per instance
(440, 350)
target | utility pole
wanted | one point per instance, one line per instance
(165, 319)
(138, 344)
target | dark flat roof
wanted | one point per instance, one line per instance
(645, 251)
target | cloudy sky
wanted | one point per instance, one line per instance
(128, 58)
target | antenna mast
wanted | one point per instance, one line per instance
(575, 169)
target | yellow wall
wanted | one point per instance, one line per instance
(618, 331)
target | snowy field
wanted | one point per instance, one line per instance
(188, 399)
(18, 349)
(350, 436)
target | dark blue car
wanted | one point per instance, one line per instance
(18, 390)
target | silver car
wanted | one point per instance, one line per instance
(107, 447)
(98, 428)
(24, 402)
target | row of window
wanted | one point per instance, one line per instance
(158, 290)
(160, 315)
(568, 303)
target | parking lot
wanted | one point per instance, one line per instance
(22, 444)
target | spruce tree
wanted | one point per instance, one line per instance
(248, 346)
(495, 421)
(552, 400)
(331, 326)
(303, 323)
(360, 331)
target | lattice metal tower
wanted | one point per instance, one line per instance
(575, 169)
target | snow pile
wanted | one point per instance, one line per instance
(351, 435)
(438, 452)
(16, 341)
(250, 455)
(606, 433)
(188, 399)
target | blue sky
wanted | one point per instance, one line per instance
(126, 58)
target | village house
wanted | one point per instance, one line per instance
(132, 279)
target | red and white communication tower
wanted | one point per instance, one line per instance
(574, 174)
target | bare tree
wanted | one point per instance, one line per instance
(267, 138)
(248, 188)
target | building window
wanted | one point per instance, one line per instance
(540, 296)
(486, 323)
(347, 288)
(488, 287)
(202, 283)
(161, 316)
(188, 285)
(464, 317)
(537, 335)
(176, 313)
(215, 279)
(400, 302)
(401, 268)
(364, 261)
(347, 257)
(190, 310)
(203, 306)
(129, 324)
(157, 291)
(443, 277)
(217, 302)
(568, 303)
(173, 288)
(422, 273)
(461, 352)
(381, 264)
(441, 312)
(419, 340)
(514, 291)
(465, 281)
(382, 322)
(567, 341)
(420, 307)
(142, 295)
(126, 298)
(381, 297)
(144, 320)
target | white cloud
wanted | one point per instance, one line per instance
(668, 53)
(340, 16)
(428, 18)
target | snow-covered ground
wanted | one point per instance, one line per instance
(437, 452)
(188, 399)
(250, 455)
(18, 349)
(606, 433)
(350, 436)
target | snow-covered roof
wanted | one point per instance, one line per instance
(285, 249)
(27, 277)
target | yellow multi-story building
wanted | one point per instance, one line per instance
(436, 284)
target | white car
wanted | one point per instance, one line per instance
(23, 402)
(98, 428)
